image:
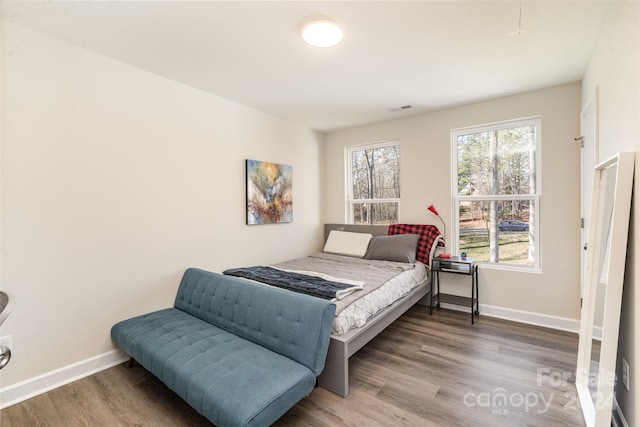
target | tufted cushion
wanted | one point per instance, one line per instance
(294, 325)
(230, 380)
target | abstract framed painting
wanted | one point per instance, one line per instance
(269, 192)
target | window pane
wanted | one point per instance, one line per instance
(497, 162)
(507, 239)
(375, 213)
(375, 173)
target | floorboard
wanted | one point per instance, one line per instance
(423, 370)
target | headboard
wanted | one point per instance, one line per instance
(376, 230)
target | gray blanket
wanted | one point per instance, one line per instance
(373, 273)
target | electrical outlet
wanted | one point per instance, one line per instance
(625, 373)
(6, 341)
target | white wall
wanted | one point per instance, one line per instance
(551, 297)
(115, 180)
(615, 71)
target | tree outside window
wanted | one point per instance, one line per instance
(497, 192)
(373, 184)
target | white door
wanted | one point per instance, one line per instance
(588, 161)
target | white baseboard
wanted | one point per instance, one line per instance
(530, 318)
(48, 381)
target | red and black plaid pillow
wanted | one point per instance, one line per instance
(428, 235)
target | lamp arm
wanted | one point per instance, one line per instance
(444, 231)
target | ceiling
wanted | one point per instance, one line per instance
(427, 54)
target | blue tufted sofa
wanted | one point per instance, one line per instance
(240, 353)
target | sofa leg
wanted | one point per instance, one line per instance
(132, 362)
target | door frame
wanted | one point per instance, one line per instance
(589, 158)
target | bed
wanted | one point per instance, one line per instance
(387, 288)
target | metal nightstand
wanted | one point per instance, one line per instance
(456, 265)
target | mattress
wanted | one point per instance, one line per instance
(356, 314)
(384, 282)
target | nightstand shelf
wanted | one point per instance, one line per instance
(456, 265)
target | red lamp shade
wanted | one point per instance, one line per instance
(433, 209)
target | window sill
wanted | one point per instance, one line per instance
(509, 267)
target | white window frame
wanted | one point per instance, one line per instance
(349, 200)
(456, 198)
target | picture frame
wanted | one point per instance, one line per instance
(269, 192)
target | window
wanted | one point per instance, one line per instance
(497, 192)
(373, 183)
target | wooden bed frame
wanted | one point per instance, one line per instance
(335, 376)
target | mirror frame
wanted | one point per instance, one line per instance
(598, 413)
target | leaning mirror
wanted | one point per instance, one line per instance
(604, 277)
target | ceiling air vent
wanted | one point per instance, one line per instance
(404, 107)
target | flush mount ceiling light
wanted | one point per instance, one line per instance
(322, 33)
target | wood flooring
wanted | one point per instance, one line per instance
(423, 370)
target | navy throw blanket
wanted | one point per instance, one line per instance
(302, 283)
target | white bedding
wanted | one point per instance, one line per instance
(356, 314)
(384, 283)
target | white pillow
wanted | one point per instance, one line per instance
(346, 243)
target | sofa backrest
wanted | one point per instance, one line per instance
(295, 325)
